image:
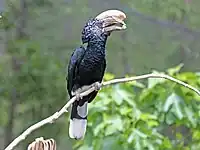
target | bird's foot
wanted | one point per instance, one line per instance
(97, 86)
(78, 96)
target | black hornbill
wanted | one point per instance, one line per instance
(87, 65)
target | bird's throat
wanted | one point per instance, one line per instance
(97, 47)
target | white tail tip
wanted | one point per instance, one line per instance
(77, 128)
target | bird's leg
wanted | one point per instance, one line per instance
(97, 86)
(84, 88)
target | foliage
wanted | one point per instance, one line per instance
(158, 115)
(38, 79)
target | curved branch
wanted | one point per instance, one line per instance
(152, 75)
(87, 91)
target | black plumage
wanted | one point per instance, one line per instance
(87, 66)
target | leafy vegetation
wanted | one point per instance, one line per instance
(157, 115)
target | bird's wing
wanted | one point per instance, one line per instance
(75, 59)
(104, 68)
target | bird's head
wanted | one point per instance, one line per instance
(103, 24)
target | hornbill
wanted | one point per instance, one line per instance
(87, 65)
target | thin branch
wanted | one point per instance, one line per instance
(152, 75)
(90, 89)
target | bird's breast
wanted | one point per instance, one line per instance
(92, 64)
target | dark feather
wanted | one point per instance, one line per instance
(86, 66)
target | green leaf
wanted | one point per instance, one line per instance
(135, 83)
(140, 134)
(110, 142)
(130, 138)
(170, 118)
(178, 110)
(99, 128)
(152, 123)
(173, 71)
(108, 76)
(125, 110)
(174, 100)
(147, 117)
(85, 147)
(179, 136)
(118, 96)
(148, 144)
(167, 143)
(137, 144)
(170, 100)
(196, 135)
(190, 115)
(114, 124)
(154, 81)
(97, 145)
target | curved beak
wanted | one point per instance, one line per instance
(113, 20)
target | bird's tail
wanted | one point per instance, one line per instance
(78, 120)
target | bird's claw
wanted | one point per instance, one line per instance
(78, 96)
(97, 86)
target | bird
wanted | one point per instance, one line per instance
(87, 65)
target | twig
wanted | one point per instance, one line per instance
(59, 113)
(152, 75)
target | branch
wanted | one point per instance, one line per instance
(90, 89)
(152, 75)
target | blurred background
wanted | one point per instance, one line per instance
(37, 38)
